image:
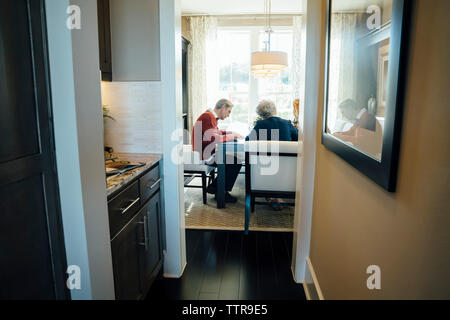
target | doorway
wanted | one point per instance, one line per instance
(228, 42)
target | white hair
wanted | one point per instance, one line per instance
(266, 109)
(223, 102)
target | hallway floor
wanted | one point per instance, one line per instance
(227, 265)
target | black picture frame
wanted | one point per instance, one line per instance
(383, 172)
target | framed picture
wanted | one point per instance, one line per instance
(366, 57)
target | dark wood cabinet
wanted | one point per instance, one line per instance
(137, 243)
(150, 255)
(123, 207)
(32, 251)
(149, 183)
(125, 249)
(104, 39)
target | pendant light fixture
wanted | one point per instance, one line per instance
(267, 64)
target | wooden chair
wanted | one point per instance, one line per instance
(195, 167)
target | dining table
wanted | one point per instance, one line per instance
(223, 149)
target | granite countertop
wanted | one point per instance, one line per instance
(114, 183)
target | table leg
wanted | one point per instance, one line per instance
(221, 174)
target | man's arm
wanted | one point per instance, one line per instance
(228, 137)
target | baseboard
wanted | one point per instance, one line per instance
(307, 294)
(175, 276)
(314, 284)
(293, 275)
(305, 286)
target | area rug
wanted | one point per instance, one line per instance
(265, 218)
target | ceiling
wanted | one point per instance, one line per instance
(359, 5)
(235, 7)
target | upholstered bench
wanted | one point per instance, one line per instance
(270, 172)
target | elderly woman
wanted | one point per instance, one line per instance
(272, 127)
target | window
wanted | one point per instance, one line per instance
(231, 58)
(279, 88)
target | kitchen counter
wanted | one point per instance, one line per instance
(115, 183)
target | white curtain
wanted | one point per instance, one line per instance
(203, 35)
(298, 64)
(342, 72)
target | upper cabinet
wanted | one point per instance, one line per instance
(128, 35)
(104, 39)
(135, 45)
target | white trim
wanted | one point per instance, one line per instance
(293, 275)
(175, 276)
(314, 278)
(307, 294)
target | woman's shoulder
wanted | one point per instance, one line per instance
(262, 121)
(283, 121)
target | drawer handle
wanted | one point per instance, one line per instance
(153, 185)
(146, 238)
(124, 210)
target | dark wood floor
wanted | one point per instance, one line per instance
(228, 265)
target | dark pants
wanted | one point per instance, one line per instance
(232, 169)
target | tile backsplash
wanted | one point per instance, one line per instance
(136, 108)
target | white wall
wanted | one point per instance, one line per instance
(135, 40)
(171, 104)
(75, 81)
(305, 181)
(137, 113)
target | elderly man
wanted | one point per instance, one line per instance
(272, 127)
(205, 137)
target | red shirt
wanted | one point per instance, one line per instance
(206, 134)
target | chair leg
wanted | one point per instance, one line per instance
(204, 188)
(253, 200)
(248, 199)
(210, 179)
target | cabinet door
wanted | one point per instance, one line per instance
(32, 255)
(125, 252)
(104, 39)
(151, 254)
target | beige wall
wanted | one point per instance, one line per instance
(356, 223)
